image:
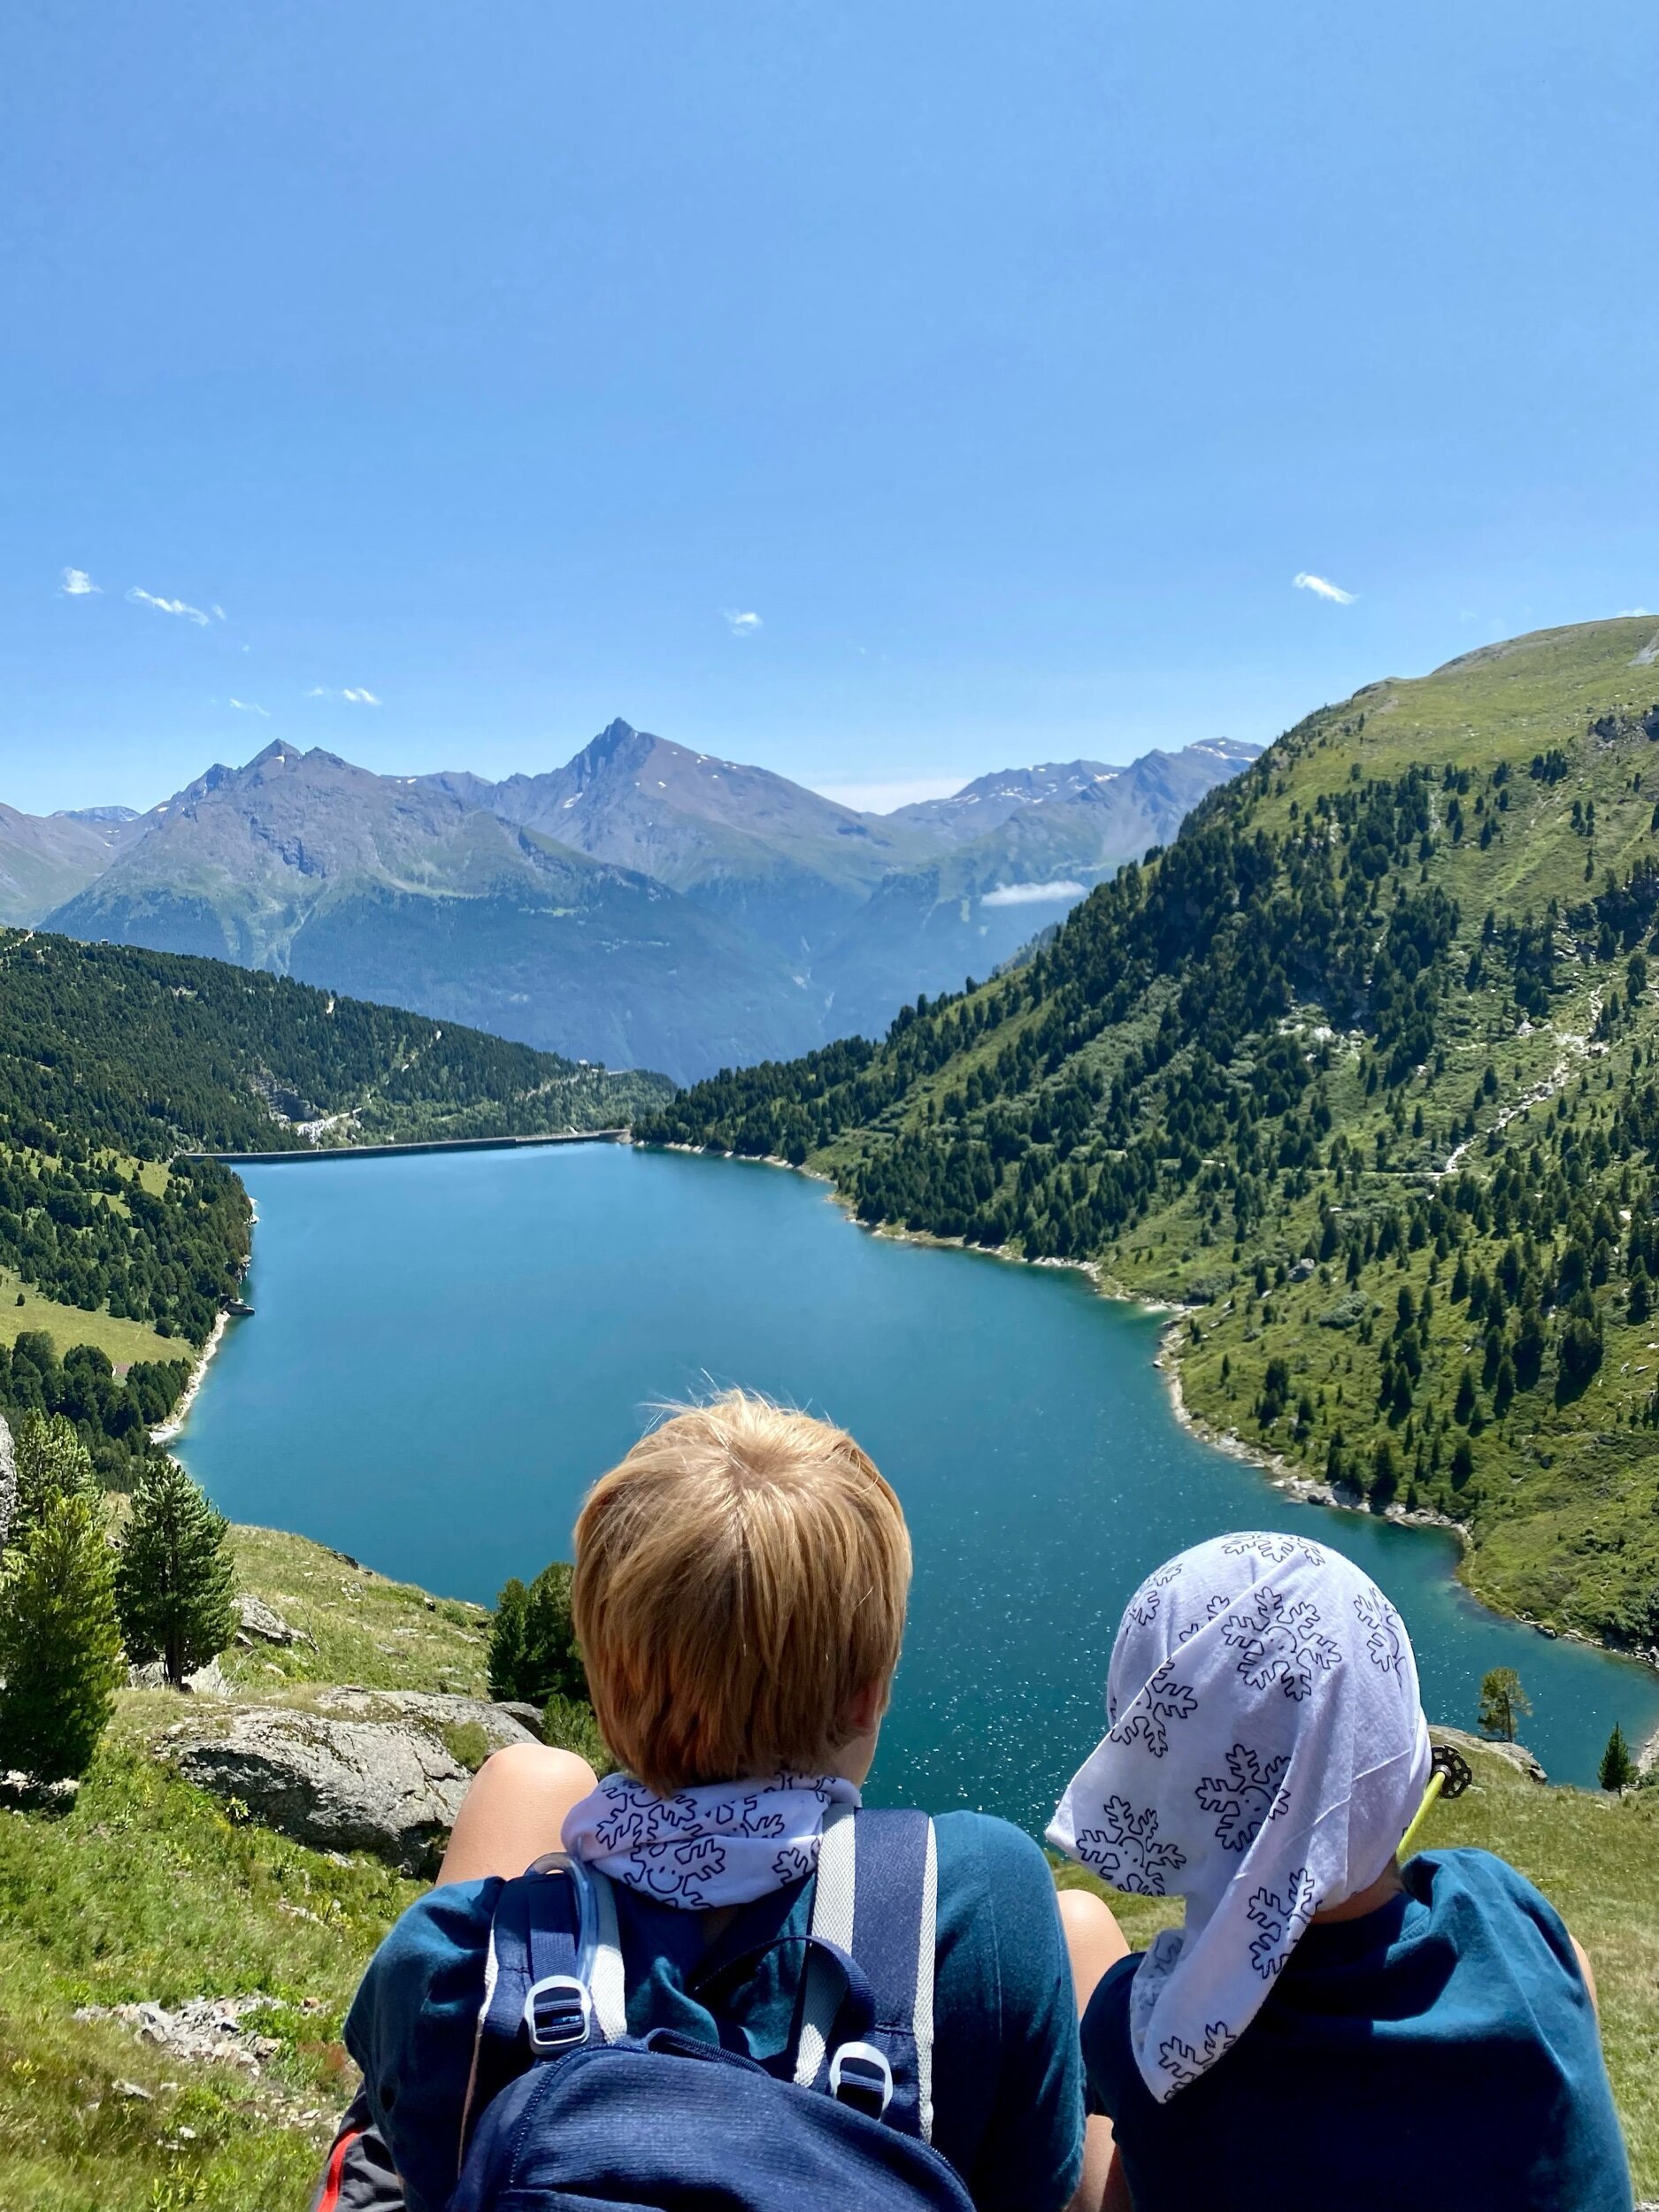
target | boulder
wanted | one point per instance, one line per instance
(208, 1681)
(502, 1724)
(260, 1624)
(1516, 1754)
(391, 1788)
(21, 1792)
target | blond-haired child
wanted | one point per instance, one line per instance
(739, 1596)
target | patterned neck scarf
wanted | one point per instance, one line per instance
(1266, 1752)
(722, 1843)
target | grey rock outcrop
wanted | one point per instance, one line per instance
(203, 2030)
(21, 1792)
(371, 1770)
(502, 1724)
(1516, 1754)
(258, 1623)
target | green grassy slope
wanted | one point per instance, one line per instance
(1363, 1070)
(148, 1890)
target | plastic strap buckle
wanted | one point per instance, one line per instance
(557, 2014)
(859, 2076)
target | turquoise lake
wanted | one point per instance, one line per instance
(448, 1347)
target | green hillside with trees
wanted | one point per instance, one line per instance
(1363, 1073)
(115, 1062)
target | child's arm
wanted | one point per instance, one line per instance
(412, 2026)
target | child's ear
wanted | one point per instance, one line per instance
(865, 1708)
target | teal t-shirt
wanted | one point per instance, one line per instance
(1008, 2086)
(1440, 2051)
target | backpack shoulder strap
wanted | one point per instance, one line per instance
(876, 1899)
(551, 1983)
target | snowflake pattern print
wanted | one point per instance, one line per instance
(1183, 2064)
(1217, 1606)
(1280, 1642)
(1281, 1920)
(1126, 1849)
(1276, 1548)
(1383, 1635)
(1164, 1699)
(1143, 1607)
(1251, 1793)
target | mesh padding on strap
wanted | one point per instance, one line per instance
(831, 1919)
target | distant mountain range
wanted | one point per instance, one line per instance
(644, 905)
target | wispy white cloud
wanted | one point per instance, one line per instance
(246, 706)
(1033, 894)
(742, 623)
(1623, 615)
(359, 697)
(353, 693)
(167, 606)
(78, 585)
(882, 798)
(1321, 587)
(219, 612)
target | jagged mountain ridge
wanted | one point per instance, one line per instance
(397, 891)
(766, 853)
(643, 905)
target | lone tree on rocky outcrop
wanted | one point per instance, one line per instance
(1618, 1769)
(531, 1646)
(1503, 1702)
(175, 1586)
(61, 1645)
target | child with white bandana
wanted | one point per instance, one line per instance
(1327, 2028)
(739, 1596)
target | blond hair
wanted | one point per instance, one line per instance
(741, 1579)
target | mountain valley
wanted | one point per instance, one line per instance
(645, 905)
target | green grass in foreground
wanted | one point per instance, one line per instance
(149, 1889)
(1597, 1860)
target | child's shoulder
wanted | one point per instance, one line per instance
(988, 1867)
(1468, 1884)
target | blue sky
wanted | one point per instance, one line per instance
(1000, 368)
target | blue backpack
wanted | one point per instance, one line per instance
(576, 2114)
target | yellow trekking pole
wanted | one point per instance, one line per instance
(1407, 1842)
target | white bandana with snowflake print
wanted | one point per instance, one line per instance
(1266, 1752)
(722, 1843)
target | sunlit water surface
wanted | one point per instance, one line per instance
(448, 1347)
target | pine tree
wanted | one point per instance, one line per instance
(61, 1645)
(506, 1641)
(175, 1586)
(1503, 1702)
(1618, 1769)
(52, 1462)
(533, 1651)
